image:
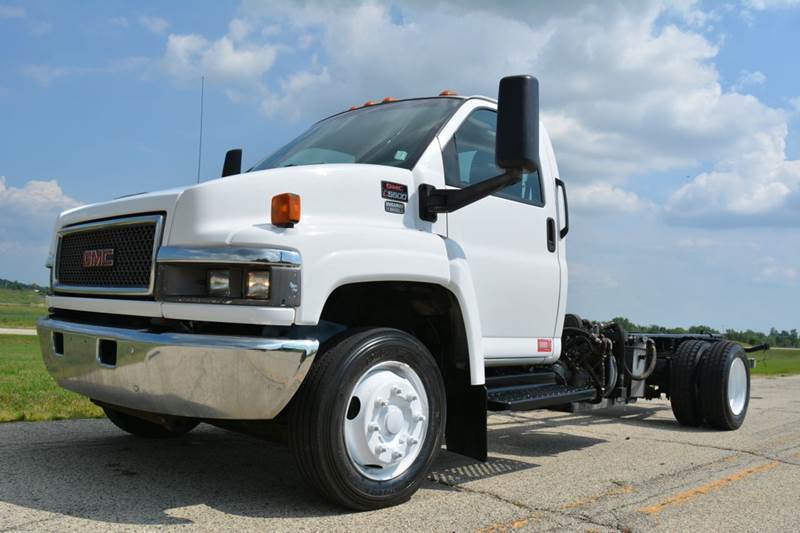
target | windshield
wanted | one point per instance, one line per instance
(393, 134)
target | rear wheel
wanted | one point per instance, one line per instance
(150, 430)
(725, 385)
(366, 424)
(684, 380)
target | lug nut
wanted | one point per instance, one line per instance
(397, 391)
(412, 441)
(420, 418)
(373, 427)
(396, 455)
(411, 397)
(380, 449)
(380, 402)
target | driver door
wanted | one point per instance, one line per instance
(510, 242)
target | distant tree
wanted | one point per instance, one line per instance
(783, 338)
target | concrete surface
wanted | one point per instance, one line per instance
(17, 331)
(629, 469)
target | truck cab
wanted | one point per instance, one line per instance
(371, 289)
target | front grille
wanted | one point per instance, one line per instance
(127, 269)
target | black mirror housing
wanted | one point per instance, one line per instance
(517, 142)
(233, 163)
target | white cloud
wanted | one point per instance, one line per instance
(26, 224)
(11, 12)
(591, 275)
(225, 60)
(604, 197)
(747, 77)
(34, 199)
(773, 272)
(45, 75)
(153, 24)
(761, 5)
(122, 22)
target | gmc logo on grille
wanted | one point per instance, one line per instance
(98, 258)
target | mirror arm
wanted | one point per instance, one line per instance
(433, 201)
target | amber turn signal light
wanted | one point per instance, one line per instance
(286, 210)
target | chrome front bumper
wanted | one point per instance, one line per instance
(198, 376)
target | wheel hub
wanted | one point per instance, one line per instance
(737, 386)
(384, 437)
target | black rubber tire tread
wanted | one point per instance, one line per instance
(311, 419)
(684, 380)
(144, 428)
(714, 385)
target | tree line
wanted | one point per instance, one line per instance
(19, 286)
(782, 338)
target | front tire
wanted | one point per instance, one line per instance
(725, 385)
(366, 424)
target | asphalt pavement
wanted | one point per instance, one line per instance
(630, 469)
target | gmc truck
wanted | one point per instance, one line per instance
(371, 290)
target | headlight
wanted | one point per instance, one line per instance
(258, 284)
(219, 282)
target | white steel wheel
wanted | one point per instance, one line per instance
(386, 421)
(737, 386)
(367, 423)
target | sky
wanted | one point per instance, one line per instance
(676, 124)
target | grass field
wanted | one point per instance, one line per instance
(27, 392)
(20, 309)
(777, 362)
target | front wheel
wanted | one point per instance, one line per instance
(366, 425)
(725, 385)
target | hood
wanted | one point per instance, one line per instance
(237, 209)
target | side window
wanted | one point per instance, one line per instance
(469, 159)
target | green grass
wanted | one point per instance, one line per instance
(20, 308)
(27, 392)
(777, 362)
(21, 297)
(20, 316)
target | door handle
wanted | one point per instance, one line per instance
(565, 229)
(551, 235)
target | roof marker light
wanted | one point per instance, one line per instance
(448, 92)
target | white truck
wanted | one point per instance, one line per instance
(373, 288)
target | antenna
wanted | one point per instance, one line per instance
(200, 144)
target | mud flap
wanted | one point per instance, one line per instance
(465, 433)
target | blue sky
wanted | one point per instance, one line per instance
(677, 126)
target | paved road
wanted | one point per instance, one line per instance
(631, 469)
(17, 331)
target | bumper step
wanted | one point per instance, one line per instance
(528, 397)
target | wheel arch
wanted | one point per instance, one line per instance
(433, 314)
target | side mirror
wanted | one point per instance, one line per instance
(233, 163)
(517, 141)
(516, 149)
